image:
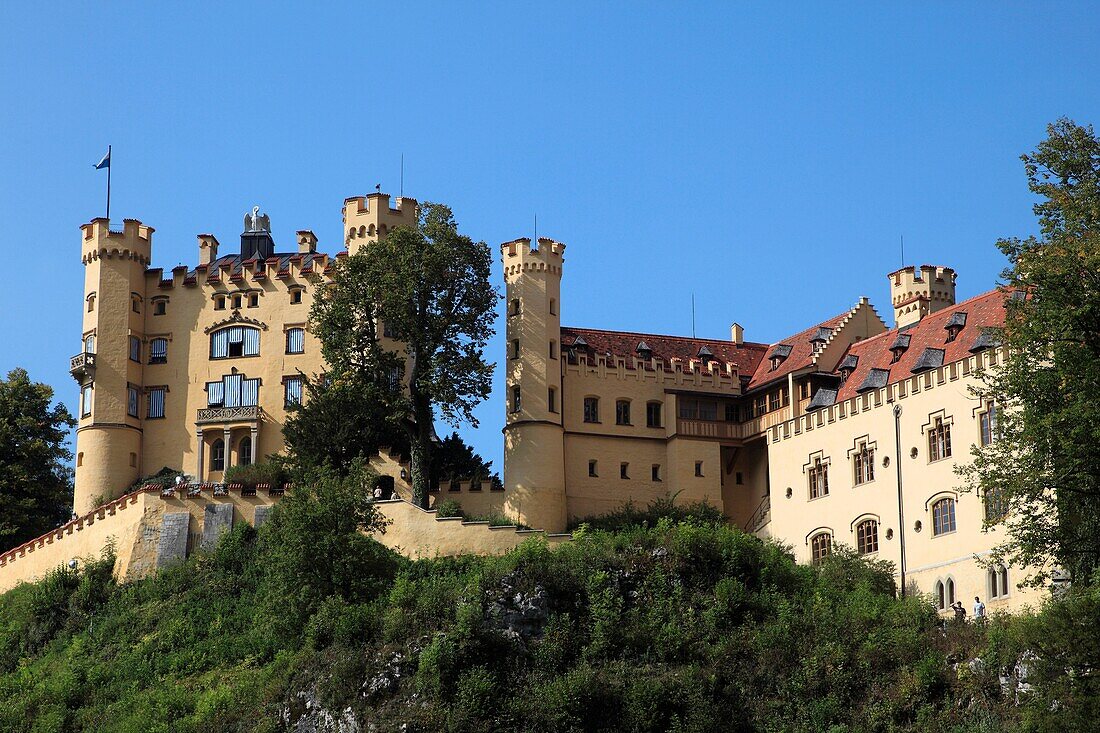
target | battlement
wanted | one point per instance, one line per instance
(366, 218)
(916, 292)
(676, 373)
(519, 256)
(135, 241)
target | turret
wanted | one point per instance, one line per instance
(916, 293)
(534, 460)
(109, 365)
(366, 218)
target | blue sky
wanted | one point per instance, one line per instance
(766, 159)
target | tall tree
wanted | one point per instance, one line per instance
(36, 487)
(429, 287)
(1044, 468)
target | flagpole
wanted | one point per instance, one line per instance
(109, 161)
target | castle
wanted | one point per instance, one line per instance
(846, 432)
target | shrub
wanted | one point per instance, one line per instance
(254, 474)
(448, 508)
(630, 515)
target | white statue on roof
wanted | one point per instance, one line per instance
(257, 222)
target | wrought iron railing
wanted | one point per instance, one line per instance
(761, 516)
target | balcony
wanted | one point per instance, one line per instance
(708, 429)
(246, 413)
(82, 367)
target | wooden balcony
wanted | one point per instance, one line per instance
(208, 415)
(713, 429)
(82, 367)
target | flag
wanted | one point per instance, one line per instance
(106, 162)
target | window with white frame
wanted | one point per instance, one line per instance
(155, 403)
(295, 340)
(86, 400)
(89, 344)
(235, 341)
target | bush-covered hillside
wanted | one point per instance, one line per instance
(675, 626)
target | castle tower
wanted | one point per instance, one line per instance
(916, 293)
(366, 218)
(534, 448)
(112, 394)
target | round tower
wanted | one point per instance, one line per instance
(534, 448)
(108, 367)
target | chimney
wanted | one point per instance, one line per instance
(737, 333)
(208, 248)
(307, 242)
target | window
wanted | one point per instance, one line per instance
(699, 468)
(217, 455)
(655, 472)
(864, 460)
(998, 581)
(235, 341)
(244, 451)
(132, 401)
(820, 547)
(515, 398)
(761, 404)
(819, 479)
(624, 470)
(253, 300)
(86, 400)
(292, 391)
(91, 302)
(988, 423)
(219, 302)
(515, 348)
(553, 307)
(695, 409)
(387, 330)
(591, 409)
(513, 307)
(135, 349)
(941, 596)
(79, 459)
(943, 517)
(160, 307)
(133, 460)
(592, 469)
(89, 344)
(939, 440)
(295, 340)
(950, 586)
(775, 400)
(236, 302)
(739, 478)
(296, 296)
(553, 349)
(994, 504)
(233, 390)
(804, 390)
(552, 399)
(155, 406)
(653, 415)
(730, 412)
(867, 536)
(622, 412)
(135, 303)
(158, 351)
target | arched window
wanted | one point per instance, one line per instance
(821, 545)
(217, 455)
(89, 344)
(998, 581)
(235, 341)
(91, 302)
(867, 536)
(943, 516)
(950, 589)
(244, 451)
(941, 596)
(819, 479)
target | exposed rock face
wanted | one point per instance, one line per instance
(518, 615)
(306, 714)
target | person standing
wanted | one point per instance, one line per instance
(960, 612)
(979, 609)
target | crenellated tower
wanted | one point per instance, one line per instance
(916, 293)
(534, 452)
(109, 366)
(366, 218)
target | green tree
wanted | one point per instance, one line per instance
(1044, 468)
(429, 286)
(36, 486)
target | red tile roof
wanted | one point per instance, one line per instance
(745, 356)
(982, 311)
(801, 355)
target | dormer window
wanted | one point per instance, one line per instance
(901, 343)
(954, 325)
(705, 355)
(847, 366)
(820, 337)
(779, 353)
(643, 351)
